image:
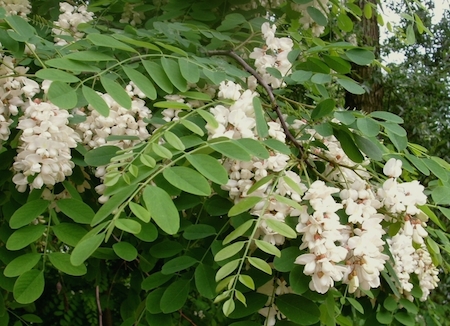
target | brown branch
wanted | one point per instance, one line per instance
(99, 306)
(268, 89)
(186, 317)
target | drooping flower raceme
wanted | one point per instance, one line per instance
(16, 7)
(68, 21)
(44, 156)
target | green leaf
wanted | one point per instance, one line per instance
(418, 163)
(152, 303)
(228, 307)
(345, 23)
(154, 280)
(400, 142)
(301, 76)
(23, 30)
(261, 124)
(387, 116)
(173, 140)
(254, 147)
(232, 150)
(394, 128)
(29, 286)
(116, 91)
(128, 225)
(409, 306)
(356, 305)
(140, 212)
(298, 281)
(147, 160)
(368, 126)
(346, 117)
(178, 264)
(348, 145)
(351, 86)
(281, 228)
(189, 70)
(89, 56)
(390, 304)
(317, 16)
(69, 233)
(148, 233)
(208, 117)
(260, 264)
(24, 236)
(404, 317)
(101, 155)
(227, 269)
(361, 57)
(156, 72)
(368, 147)
(244, 205)
(286, 262)
(368, 10)
(21, 264)
(175, 296)
(229, 251)
(96, 101)
(187, 180)
(62, 95)
(72, 65)
(436, 168)
(56, 75)
(76, 210)
(125, 250)
(161, 151)
(204, 281)
(427, 211)
(26, 213)
(172, 48)
(445, 211)
(109, 42)
(277, 146)
(142, 82)
(62, 262)
(298, 309)
(247, 281)
(112, 204)
(338, 64)
(216, 77)
(162, 209)
(172, 70)
(410, 35)
(192, 127)
(240, 230)
(172, 105)
(323, 109)
(441, 195)
(209, 167)
(85, 248)
(268, 248)
(198, 231)
(138, 43)
(321, 79)
(260, 183)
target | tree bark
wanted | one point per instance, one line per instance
(368, 34)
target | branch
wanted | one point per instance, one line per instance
(268, 89)
(99, 306)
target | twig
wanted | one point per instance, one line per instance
(268, 89)
(99, 306)
(187, 318)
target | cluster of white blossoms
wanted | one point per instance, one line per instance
(44, 156)
(14, 91)
(306, 20)
(273, 55)
(95, 130)
(68, 21)
(16, 7)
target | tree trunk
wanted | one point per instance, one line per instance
(368, 34)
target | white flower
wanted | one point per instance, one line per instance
(393, 168)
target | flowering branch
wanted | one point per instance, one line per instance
(268, 89)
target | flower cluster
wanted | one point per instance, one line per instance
(68, 21)
(132, 16)
(273, 55)
(16, 7)
(14, 90)
(96, 129)
(44, 156)
(273, 288)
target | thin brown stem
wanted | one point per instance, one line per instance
(187, 318)
(99, 306)
(267, 88)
